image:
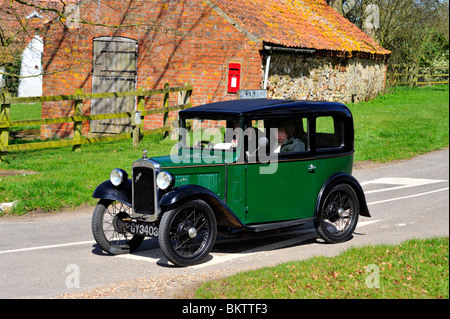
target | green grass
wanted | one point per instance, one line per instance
(25, 112)
(414, 269)
(66, 179)
(400, 125)
(403, 124)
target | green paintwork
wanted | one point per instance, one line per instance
(287, 194)
(290, 193)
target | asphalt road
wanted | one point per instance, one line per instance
(54, 254)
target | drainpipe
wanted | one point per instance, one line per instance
(282, 49)
(266, 71)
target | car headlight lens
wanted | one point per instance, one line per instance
(164, 180)
(117, 176)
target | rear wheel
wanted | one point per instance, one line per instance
(187, 233)
(110, 227)
(338, 214)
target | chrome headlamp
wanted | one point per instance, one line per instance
(164, 180)
(118, 176)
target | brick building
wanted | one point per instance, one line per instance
(20, 45)
(300, 49)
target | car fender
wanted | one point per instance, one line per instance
(121, 193)
(347, 179)
(224, 215)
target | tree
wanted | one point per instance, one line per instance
(415, 31)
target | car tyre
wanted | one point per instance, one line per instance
(187, 233)
(338, 214)
(110, 228)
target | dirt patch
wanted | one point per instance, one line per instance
(162, 286)
(14, 172)
(367, 165)
(25, 134)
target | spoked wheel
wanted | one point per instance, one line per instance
(187, 233)
(338, 214)
(110, 225)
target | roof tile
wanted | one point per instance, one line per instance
(310, 24)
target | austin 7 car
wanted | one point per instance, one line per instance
(244, 165)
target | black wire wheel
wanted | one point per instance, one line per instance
(110, 227)
(187, 233)
(338, 215)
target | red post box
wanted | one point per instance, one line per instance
(234, 77)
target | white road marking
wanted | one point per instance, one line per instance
(403, 182)
(46, 247)
(368, 222)
(410, 196)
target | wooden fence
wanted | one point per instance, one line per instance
(136, 116)
(412, 75)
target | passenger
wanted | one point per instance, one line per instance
(287, 140)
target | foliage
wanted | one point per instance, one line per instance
(415, 31)
(434, 51)
(11, 78)
(414, 269)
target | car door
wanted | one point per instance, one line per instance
(282, 188)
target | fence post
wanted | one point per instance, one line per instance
(187, 96)
(5, 108)
(77, 126)
(416, 74)
(166, 114)
(137, 120)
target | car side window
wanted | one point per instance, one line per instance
(289, 135)
(329, 133)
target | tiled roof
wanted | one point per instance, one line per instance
(310, 24)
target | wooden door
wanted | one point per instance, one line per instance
(114, 70)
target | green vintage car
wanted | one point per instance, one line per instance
(249, 165)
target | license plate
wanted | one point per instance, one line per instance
(144, 229)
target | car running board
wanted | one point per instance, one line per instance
(271, 226)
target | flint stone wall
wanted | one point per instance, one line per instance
(328, 78)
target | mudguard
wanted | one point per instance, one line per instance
(348, 179)
(107, 190)
(223, 213)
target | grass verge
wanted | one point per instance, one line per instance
(414, 269)
(64, 179)
(403, 124)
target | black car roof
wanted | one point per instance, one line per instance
(261, 107)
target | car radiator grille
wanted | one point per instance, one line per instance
(144, 190)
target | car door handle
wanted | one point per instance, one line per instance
(311, 168)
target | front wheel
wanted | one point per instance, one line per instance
(338, 215)
(187, 233)
(110, 225)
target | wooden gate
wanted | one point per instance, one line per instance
(115, 70)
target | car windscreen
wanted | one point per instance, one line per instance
(216, 133)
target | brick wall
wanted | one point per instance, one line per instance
(192, 44)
